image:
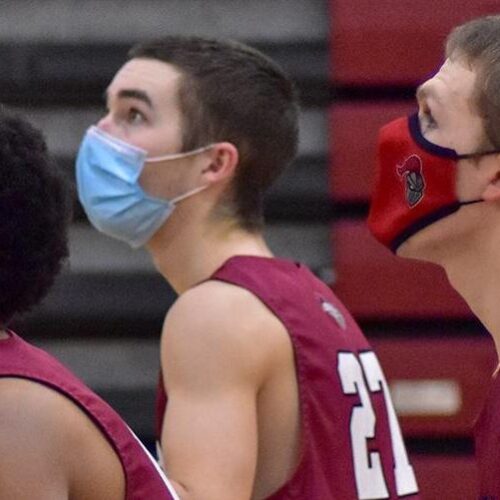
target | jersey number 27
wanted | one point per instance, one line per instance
(363, 376)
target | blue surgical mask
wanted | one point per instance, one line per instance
(107, 175)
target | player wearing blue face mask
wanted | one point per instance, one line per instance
(269, 388)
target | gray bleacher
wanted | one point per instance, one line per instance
(104, 316)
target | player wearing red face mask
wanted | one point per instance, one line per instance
(437, 194)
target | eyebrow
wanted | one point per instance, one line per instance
(132, 94)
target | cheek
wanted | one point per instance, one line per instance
(167, 179)
(159, 143)
(465, 133)
(464, 142)
(437, 136)
(461, 140)
(463, 185)
(156, 180)
(142, 139)
(472, 178)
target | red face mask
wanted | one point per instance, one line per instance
(415, 184)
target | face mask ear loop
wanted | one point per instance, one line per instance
(177, 156)
(478, 155)
(176, 200)
(470, 202)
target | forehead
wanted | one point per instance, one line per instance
(455, 82)
(159, 80)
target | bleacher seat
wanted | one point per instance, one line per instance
(438, 382)
(394, 42)
(446, 477)
(375, 284)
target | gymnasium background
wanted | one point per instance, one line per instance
(357, 64)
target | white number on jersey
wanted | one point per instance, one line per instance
(370, 481)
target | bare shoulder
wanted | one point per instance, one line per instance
(38, 418)
(27, 407)
(30, 446)
(45, 437)
(223, 309)
(226, 323)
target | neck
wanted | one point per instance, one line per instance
(474, 272)
(187, 252)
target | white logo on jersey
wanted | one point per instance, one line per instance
(332, 311)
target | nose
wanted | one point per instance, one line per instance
(105, 124)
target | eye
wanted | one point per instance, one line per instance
(134, 116)
(427, 120)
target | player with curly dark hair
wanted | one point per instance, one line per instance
(35, 208)
(58, 440)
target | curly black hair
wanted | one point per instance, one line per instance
(35, 210)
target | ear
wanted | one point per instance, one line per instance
(492, 190)
(225, 158)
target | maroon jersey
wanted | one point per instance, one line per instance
(487, 436)
(143, 477)
(351, 443)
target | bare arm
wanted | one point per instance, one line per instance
(214, 365)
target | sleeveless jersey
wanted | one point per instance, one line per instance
(487, 440)
(351, 443)
(144, 479)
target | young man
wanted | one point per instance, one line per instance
(273, 392)
(58, 440)
(437, 195)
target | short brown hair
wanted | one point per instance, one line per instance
(231, 92)
(478, 41)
